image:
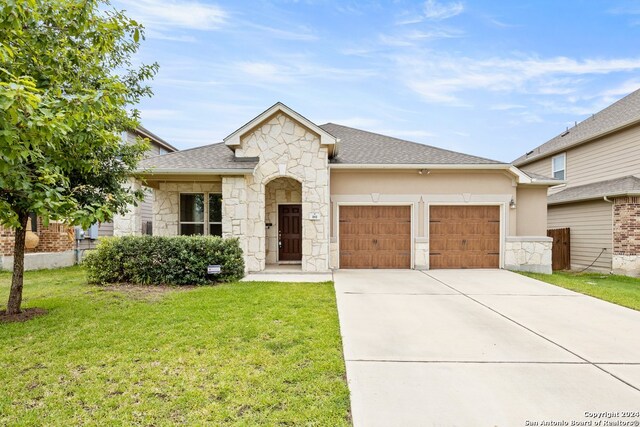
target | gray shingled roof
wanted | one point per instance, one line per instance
(214, 156)
(614, 116)
(538, 177)
(362, 147)
(356, 147)
(628, 185)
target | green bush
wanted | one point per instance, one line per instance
(152, 260)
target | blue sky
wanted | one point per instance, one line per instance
(490, 78)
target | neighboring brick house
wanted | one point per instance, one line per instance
(600, 160)
(57, 244)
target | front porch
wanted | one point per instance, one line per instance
(287, 273)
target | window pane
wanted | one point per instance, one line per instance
(192, 208)
(215, 207)
(559, 174)
(558, 163)
(191, 229)
(215, 229)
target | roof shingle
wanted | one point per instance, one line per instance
(214, 156)
(356, 147)
(618, 114)
(362, 147)
(628, 185)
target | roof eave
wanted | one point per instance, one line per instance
(185, 171)
(589, 198)
(155, 138)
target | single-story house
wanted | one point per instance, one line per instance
(331, 196)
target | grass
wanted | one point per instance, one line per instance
(621, 290)
(233, 354)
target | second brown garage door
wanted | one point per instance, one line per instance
(375, 236)
(464, 237)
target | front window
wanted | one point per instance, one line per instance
(192, 214)
(558, 166)
(194, 210)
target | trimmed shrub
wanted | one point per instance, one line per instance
(153, 260)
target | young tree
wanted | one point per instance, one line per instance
(67, 92)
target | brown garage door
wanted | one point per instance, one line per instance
(464, 237)
(375, 236)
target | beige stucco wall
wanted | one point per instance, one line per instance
(531, 211)
(472, 186)
(285, 149)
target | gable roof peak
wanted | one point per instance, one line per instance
(233, 140)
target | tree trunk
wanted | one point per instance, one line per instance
(15, 295)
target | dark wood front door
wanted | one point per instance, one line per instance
(464, 237)
(375, 236)
(290, 232)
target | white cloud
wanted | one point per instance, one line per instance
(443, 78)
(411, 38)
(295, 68)
(622, 89)
(161, 114)
(505, 107)
(439, 11)
(159, 14)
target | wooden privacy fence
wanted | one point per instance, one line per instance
(561, 249)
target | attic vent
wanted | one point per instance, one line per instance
(529, 153)
(565, 133)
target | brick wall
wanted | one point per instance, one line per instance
(53, 238)
(626, 226)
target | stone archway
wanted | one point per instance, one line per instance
(279, 192)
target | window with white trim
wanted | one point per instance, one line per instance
(198, 217)
(559, 166)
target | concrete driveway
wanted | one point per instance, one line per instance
(483, 348)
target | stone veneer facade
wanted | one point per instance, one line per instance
(293, 167)
(532, 254)
(166, 204)
(285, 149)
(626, 236)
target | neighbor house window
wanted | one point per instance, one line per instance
(215, 214)
(194, 210)
(558, 166)
(192, 213)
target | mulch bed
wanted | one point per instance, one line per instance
(23, 316)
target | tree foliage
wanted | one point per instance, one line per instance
(67, 88)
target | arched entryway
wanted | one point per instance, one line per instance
(283, 221)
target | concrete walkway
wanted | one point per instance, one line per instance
(483, 348)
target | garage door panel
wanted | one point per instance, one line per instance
(375, 236)
(464, 236)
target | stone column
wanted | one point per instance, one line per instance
(234, 214)
(129, 224)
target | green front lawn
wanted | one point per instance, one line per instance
(620, 290)
(241, 353)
